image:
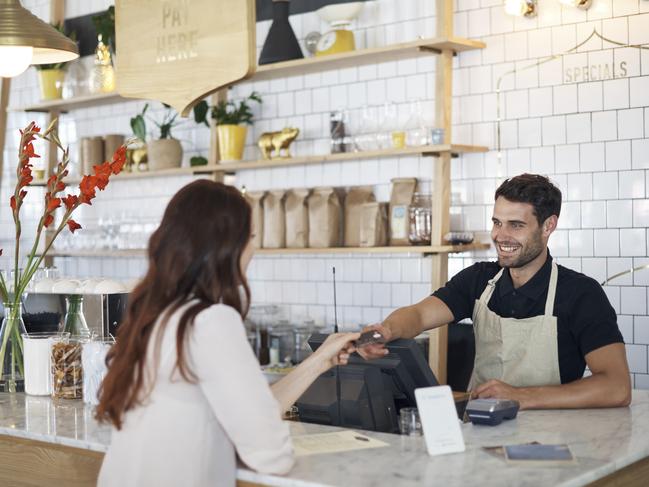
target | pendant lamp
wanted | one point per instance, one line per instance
(25, 39)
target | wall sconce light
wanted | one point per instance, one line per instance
(521, 8)
(582, 4)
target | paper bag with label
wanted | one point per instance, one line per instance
(374, 224)
(439, 420)
(297, 218)
(353, 208)
(274, 220)
(255, 200)
(400, 199)
(325, 218)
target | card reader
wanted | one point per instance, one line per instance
(491, 411)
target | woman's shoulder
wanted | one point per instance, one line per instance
(222, 315)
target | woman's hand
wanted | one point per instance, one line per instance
(336, 349)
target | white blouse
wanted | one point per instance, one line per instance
(187, 434)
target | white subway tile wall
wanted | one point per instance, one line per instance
(582, 119)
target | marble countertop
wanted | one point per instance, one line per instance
(603, 440)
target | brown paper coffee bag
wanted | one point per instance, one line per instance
(325, 218)
(400, 199)
(274, 220)
(297, 218)
(374, 224)
(353, 203)
(255, 199)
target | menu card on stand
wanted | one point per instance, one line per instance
(439, 420)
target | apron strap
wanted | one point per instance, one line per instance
(489, 288)
(552, 289)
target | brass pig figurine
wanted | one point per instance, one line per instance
(271, 143)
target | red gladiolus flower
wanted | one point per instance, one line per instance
(60, 186)
(48, 221)
(70, 201)
(29, 150)
(22, 194)
(12, 203)
(87, 187)
(53, 204)
(72, 225)
(119, 159)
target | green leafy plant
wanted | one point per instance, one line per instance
(198, 161)
(138, 123)
(105, 26)
(72, 35)
(227, 112)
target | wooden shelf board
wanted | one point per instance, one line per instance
(180, 171)
(375, 55)
(439, 249)
(64, 105)
(415, 249)
(427, 150)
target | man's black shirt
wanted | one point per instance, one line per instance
(586, 320)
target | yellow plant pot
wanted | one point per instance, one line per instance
(232, 140)
(51, 81)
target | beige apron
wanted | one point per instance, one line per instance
(519, 352)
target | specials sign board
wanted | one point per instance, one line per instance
(179, 51)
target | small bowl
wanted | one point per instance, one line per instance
(66, 286)
(341, 13)
(109, 286)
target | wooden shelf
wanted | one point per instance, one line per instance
(65, 105)
(180, 171)
(428, 150)
(395, 52)
(435, 249)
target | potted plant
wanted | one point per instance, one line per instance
(51, 76)
(165, 152)
(231, 119)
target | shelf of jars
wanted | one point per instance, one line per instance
(414, 249)
(395, 52)
(427, 150)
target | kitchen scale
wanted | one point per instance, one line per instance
(340, 39)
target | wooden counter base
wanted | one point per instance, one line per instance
(36, 463)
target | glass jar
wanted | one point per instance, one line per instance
(301, 335)
(74, 322)
(67, 369)
(93, 363)
(281, 342)
(420, 214)
(38, 365)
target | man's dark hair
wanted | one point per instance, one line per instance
(534, 189)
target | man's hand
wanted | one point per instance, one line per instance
(500, 390)
(375, 350)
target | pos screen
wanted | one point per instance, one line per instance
(372, 391)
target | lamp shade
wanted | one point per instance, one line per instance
(19, 27)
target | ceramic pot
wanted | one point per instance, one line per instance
(232, 140)
(164, 154)
(51, 81)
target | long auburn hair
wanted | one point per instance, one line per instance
(193, 255)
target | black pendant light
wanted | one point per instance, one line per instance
(281, 43)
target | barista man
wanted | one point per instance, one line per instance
(537, 324)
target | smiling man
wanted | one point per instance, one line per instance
(537, 324)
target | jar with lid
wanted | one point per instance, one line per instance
(420, 218)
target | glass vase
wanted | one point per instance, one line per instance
(11, 348)
(74, 322)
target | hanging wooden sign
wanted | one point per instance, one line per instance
(179, 51)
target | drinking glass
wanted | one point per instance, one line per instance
(409, 422)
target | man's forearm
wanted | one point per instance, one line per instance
(404, 322)
(595, 391)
